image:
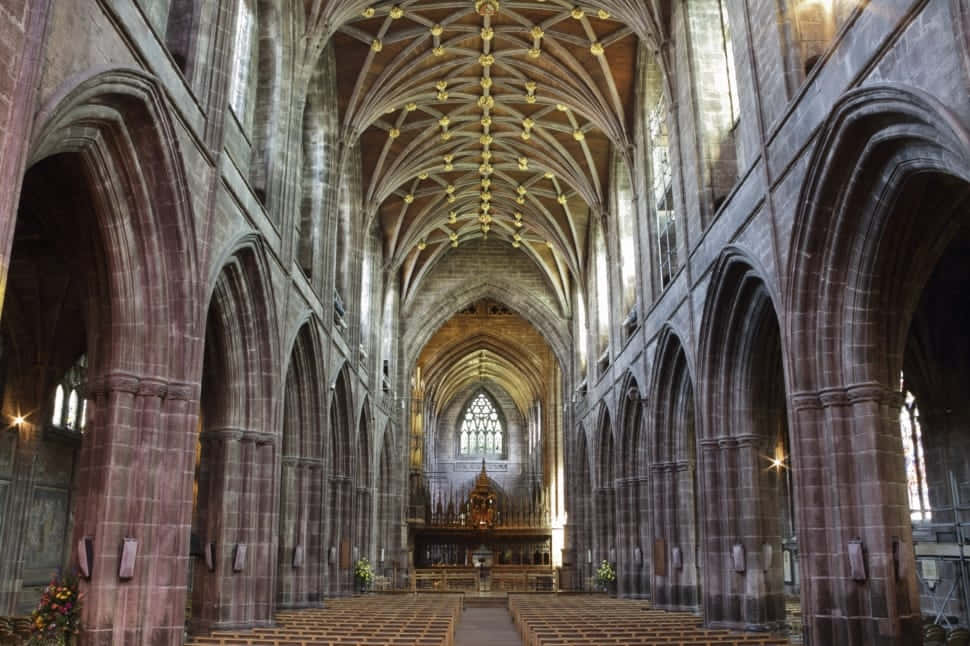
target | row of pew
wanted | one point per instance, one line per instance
(387, 620)
(592, 620)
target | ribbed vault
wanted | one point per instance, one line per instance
(473, 125)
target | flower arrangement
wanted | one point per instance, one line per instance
(605, 575)
(363, 572)
(58, 615)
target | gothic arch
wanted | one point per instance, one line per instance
(301, 550)
(858, 266)
(111, 131)
(495, 288)
(631, 433)
(237, 445)
(847, 231)
(673, 467)
(342, 423)
(632, 492)
(605, 449)
(744, 419)
(242, 318)
(117, 124)
(672, 400)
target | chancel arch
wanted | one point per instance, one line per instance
(675, 544)
(747, 497)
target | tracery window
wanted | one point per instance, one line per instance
(69, 410)
(481, 431)
(916, 488)
(663, 194)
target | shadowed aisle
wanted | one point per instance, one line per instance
(486, 626)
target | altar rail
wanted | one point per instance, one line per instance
(446, 579)
(512, 578)
(500, 578)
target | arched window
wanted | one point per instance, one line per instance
(602, 292)
(71, 421)
(481, 430)
(663, 193)
(242, 59)
(58, 406)
(583, 330)
(626, 224)
(916, 488)
(69, 410)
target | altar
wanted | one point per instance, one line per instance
(485, 543)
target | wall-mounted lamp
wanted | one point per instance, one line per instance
(19, 420)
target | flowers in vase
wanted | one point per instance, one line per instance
(58, 613)
(363, 572)
(605, 575)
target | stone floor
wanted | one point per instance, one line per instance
(486, 626)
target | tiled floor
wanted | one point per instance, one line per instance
(486, 627)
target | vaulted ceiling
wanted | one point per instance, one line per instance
(493, 119)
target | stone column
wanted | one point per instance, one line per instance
(643, 533)
(850, 482)
(134, 481)
(763, 605)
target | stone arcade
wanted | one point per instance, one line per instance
(680, 285)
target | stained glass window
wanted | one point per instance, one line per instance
(909, 426)
(481, 428)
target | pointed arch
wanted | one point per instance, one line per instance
(673, 474)
(302, 483)
(859, 262)
(238, 442)
(744, 418)
(877, 140)
(605, 452)
(109, 134)
(117, 124)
